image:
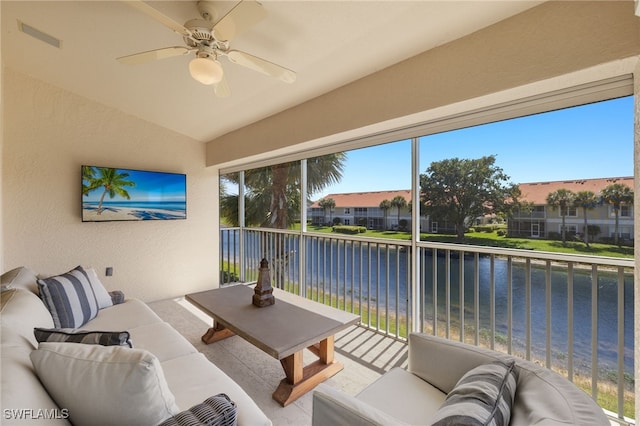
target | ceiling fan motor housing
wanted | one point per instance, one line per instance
(201, 30)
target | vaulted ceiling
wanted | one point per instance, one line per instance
(327, 43)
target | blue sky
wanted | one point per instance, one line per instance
(590, 141)
(149, 186)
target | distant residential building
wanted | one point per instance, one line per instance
(541, 221)
(363, 208)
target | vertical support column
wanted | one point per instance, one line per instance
(416, 295)
(302, 247)
(636, 229)
(241, 223)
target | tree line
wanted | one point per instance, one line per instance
(452, 190)
(615, 194)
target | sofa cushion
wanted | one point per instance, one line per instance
(23, 397)
(483, 396)
(125, 316)
(21, 312)
(70, 298)
(102, 295)
(107, 385)
(20, 277)
(336, 408)
(193, 379)
(217, 410)
(162, 340)
(104, 338)
(404, 396)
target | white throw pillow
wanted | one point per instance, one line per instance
(102, 295)
(106, 385)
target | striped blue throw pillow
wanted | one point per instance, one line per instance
(89, 337)
(217, 410)
(483, 396)
(69, 298)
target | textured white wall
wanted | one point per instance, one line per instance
(48, 134)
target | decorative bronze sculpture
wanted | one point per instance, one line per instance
(263, 292)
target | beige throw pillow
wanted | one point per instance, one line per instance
(107, 385)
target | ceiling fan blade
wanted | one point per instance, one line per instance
(243, 16)
(158, 16)
(221, 88)
(261, 65)
(153, 55)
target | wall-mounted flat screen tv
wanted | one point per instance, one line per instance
(111, 194)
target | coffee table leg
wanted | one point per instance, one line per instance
(301, 379)
(216, 333)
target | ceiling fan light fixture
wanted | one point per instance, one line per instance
(205, 70)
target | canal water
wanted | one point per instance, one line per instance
(362, 269)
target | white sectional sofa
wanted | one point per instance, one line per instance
(188, 375)
(416, 396)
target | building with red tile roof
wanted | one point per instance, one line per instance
(536, 192)
(544, 221)
(363, 208)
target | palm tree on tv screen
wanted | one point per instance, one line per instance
(112, 181)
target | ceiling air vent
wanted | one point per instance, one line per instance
(36, 33)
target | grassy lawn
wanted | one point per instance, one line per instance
(492, 239)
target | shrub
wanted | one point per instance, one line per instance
(488, 228)
(229, 277)
(350, 230)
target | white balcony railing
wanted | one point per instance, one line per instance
(571, 313)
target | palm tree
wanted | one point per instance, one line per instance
(398, 202)
(562, 199)
(107, 178)
(272, 199)
(385, 205)
(587, 200)
(617, 194)
(272, 194)
(328, 203)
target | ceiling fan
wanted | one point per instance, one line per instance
(209, 41)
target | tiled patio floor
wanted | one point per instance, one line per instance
(365, 355)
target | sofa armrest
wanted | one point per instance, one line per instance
(336, 408)
(442, 362)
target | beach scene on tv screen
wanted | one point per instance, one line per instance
(110, 194)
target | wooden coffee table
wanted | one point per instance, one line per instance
(282, 330)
